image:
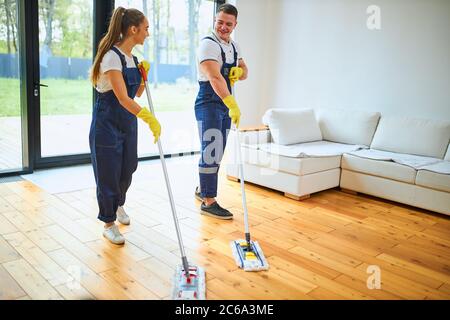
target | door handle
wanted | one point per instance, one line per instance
(36, 88)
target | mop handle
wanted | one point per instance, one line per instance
(166, 177)
(241, 173)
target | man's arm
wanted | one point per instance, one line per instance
(211, 69)
(241, 64)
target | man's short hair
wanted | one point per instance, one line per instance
(228, 9)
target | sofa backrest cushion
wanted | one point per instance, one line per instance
(348, 126)
(422, 137)
(291, 126)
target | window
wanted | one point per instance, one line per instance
(176, 26)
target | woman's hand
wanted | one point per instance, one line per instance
(152, 122)
(144, 64)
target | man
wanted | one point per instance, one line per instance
(220, 66)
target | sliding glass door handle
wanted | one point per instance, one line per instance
(36, 88)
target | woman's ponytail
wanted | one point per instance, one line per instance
(121, 20)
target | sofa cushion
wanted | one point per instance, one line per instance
(296, 166)
(442, 167)
(416, 162)
(348, 126)
(314, 149)
(434, 180)
(290, 126)
(412, 136)
(447, 155)
(380, 168)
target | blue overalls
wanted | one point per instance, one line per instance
(213, 127)
(113, 143)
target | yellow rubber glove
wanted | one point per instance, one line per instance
(235, 74)
(234, 112)
(152, 122)
(146, 65)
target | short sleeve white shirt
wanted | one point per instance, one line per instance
(210, 50)
(111, 61)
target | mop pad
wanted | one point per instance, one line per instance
(249, 258)
(192, 288)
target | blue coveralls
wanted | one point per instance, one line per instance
(113, 143)
(213, 127)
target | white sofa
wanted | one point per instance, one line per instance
(303, 151)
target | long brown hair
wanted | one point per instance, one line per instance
(121, 20)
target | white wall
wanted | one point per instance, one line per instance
(255, 33)
(320, 53)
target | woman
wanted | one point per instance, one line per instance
(113, 133)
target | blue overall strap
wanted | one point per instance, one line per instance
(136, 61)
(235, 54)
(122, 58)
(224, 60)
(127, 77)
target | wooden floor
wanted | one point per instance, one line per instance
(51, 246)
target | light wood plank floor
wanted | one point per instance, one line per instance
(51, 246)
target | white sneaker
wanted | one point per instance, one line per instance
(113, 234)
(122, 216)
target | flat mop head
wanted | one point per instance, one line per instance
(249, 257)
(189, 289)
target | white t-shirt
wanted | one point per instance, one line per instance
(111, 61)
(210, 50)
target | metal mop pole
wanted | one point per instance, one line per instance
(244, 199)
(241, 174)
(169, 189)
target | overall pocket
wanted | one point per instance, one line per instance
(106, 133)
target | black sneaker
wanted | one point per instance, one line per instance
(216, 211)
(197, 194)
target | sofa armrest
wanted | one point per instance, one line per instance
(255, 135)
(253, 128)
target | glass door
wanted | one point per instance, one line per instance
(11, 82)
(65, 56)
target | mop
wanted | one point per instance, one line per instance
(247, 253)
(189, 280)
